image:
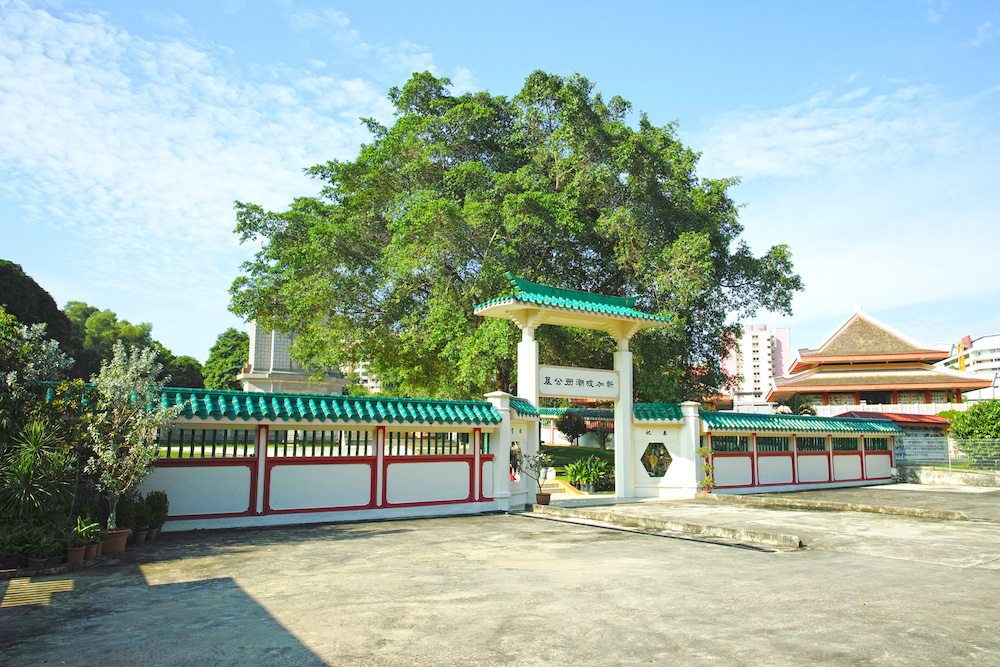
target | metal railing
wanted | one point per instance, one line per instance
(956, 454)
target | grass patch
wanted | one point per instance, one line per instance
(563, 455)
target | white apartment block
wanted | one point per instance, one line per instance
(760, 356)
(980, 356)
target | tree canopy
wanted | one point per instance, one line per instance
(226, 360)
(28, 301)
(97, 332)
(981, 420)
(388, 261)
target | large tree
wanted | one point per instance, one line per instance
(28, 301)
(388, 261)
(226, 360)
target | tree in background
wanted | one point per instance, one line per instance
(226, 360)
(99, 330)
(981, 420)
(388, 261)
(26, 300)
(572, 425)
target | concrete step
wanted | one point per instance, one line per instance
(559, 486)
(608, 516)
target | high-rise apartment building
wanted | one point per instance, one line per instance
(760, 356)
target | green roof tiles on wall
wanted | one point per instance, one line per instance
(747, 422)
(247, 406)
(524, 408)
(657, 412)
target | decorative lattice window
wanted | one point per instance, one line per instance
(656, 459)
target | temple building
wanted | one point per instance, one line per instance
(866, 363)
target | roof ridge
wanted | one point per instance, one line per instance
(528, 287)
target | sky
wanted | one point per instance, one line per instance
(866, 135)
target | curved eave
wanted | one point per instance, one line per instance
(527, 314)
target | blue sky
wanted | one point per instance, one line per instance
(867, 135)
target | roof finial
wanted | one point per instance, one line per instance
(857, 308)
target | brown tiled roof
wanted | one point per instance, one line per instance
(897, 417)
(912, 377)
(863, 337)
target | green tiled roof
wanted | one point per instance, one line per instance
(260, 406)
(523, 291)
(657, 412)
(641, 411)
(593, 414)
(524, 408)
(739, 421)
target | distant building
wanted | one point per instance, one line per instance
(371, 382)
(760, 357)
(272, 369)
(980, 356)
(866, 363)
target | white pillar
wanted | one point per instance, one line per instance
(690, 440)
(527, 366)
(624, 456)
(500, 448)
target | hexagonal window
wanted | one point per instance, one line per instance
(656, 459)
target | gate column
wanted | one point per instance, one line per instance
(624, 456)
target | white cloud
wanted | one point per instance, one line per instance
(935, 10)
(886, 198)
(839, 132)
(986, 33)
(385, 62)
(134, 151)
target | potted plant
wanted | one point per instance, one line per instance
(115, 539)
(708, 482)
(12, 541)
(83, 537)
(574, 472)
(532, 467)
(123, 430)
(141, 530)
(42, 545)
(157, 509)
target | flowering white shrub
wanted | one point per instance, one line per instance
(125, 422)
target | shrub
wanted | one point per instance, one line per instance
(157, 507)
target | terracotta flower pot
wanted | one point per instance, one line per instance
(91, 551)
(543, 498)
(114, 543)
(139, 536)
(75, 554)
(154, 532)
(35, 563)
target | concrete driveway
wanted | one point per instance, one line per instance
(498, 590)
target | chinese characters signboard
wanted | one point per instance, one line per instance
(563, 382)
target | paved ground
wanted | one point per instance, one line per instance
(512, 590)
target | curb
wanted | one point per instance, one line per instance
(945, 515)
(605, 516)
